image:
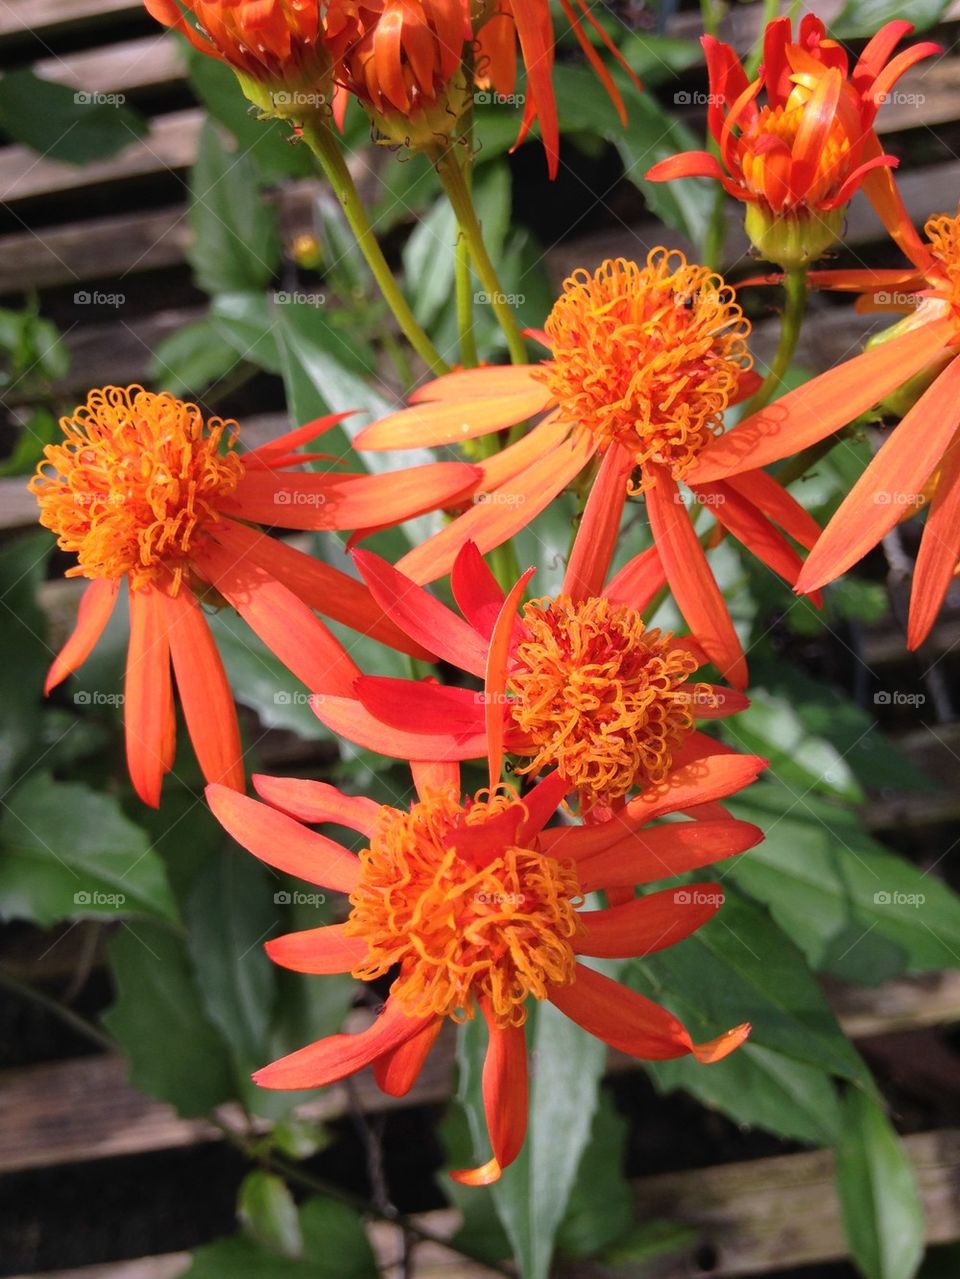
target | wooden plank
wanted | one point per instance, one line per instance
(129, 66)
(68, 1111)
(765, 1214)
(19, 18)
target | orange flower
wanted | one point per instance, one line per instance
(577, 683)
(473, 904)
(529, 24)
(797, 159)
(144, 489)
(406, 67)
(924, 450)
(282, 50)
(644, 361)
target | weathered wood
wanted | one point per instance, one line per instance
(20, 18)
(129, 66)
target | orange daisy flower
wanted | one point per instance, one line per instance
(922, 453)
(144, 489)
(473, 904)
(644, 362)
(529, 25)
(283, 51)
(798, 159)
(577, 683)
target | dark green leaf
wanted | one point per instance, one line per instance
(192, 359)
(268, 1213)
(879, 1200)
(24, 656)
(600, 1208)
(74, 126)
(864, 17)
(69, 852)
(175, 1052)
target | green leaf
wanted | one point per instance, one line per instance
(761, 1088)
(175, 1052)
(879, 1200)
(236, 239)
(268, 1213)
(600, 1208)
(741, 967)
(246, 321)
(429, 258)
(39, 430)
(533, 1192)
(24, 657)
(650, 1241)
(71, 853)
(864, 17)
(64, 124)
(857, 910)
(192, 358)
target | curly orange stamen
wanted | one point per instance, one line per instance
(650, 356)
(137, 476)
(784, 123)
(943, 232)
(601, 697)
(465, 918)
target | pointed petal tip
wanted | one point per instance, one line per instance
(485, 1175)
(722, 1046)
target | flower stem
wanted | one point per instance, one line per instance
(458, 193)
(795, 288)
(324, 146)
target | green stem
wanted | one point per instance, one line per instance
(464, 280)
(715, 238)
(798, 466)
(76, 1023)
(458, 193)
(324, 146)
(795, 289)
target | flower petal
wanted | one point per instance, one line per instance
(205, 695)
(939, 550)
(694, 588)
(282, 842)
(398, 1070)
(316, 802)
(505, 1094)
(488, 381)
(818, 408)
(638, 581)
(434, 775)
(644, 856)
(452, 421)
(349, 718)
(596, 539)
(891, 482)
(337, 1056)
(96, 607)
(645, 925)
(476, 590)
(148, 715)
(422, 705)
(770, 497)
(317, 950)
(752, 529)
(495, 677)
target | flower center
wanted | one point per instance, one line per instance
(601, 697)
(133, 482)
(943, 232)
(781, 125)
(649, 356)
(446, 893)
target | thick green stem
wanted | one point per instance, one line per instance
(458, 193)
(464, 281)
(324, 146)
(795, 288)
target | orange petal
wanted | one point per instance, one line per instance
(349, 718)
(818, 408)
(421, 706)
(644, 856)
(316, 802)
(337, 1056)
(505, 1094)
(205, 694)
(645, 925)
(282, 842)
(148, 716)
(96, 606)
(495, 677)
(638, 581)
(476, 590)
(430, 776)
(491, 522)
(314, 501)
(452, 421)
(620, 1017)
(488, 381)
(939, 550)
(596, 539)
(317, 950)
(398, 1070)
(697, 595)
(890, 484)
(770, 497)
(752, 529)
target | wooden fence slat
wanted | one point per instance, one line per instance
(124, 67)
(43, 17)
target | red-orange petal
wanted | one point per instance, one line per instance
(398, 1070)
(596, 539)
(495, 677)
(939, 550)
(96, 606)
(317, 950)
(205, 695)
(659, 852)
(440, 422)
(148, 715)
(282, 842)
(620, 1017)
(476, 590)
(645, 925)
(316, 802)
(505, 1094)
(430, 776)
(349, 718)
